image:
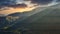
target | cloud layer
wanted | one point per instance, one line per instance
(23, 3)
(11, 6)
(11, 3)
(41, 1)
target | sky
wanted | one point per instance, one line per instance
(12, 6)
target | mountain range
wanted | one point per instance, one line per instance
(42, 20)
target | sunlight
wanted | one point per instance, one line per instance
(14, 10)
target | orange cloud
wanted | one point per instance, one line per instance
(17, 8)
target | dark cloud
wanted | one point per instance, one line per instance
(58, 0)
(40, 1)
(4, 3)
(7, 2)
(11, 3)
(18, 5)
(3, 0)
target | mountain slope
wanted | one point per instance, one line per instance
(38, 22)
(47, 20)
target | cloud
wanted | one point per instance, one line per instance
(58, 0)
(9, 4)
(6, 6)
(18, 5)
(40, 1)
(11, 7)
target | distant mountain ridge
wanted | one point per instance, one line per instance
(46, 19)
(42, 20)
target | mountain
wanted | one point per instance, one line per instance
(47, 20)
(44, 20)
(24, 15)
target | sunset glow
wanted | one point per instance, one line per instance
(23, 6)
(17, 9)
